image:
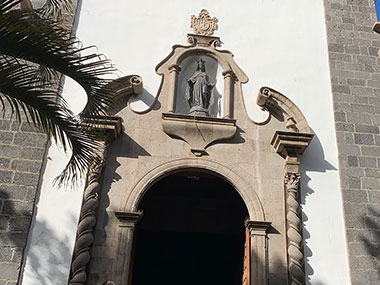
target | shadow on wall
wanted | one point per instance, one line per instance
(313, 160)
(370, 238)
(15, 221)
(47, 262)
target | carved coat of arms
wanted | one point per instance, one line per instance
(203, 24)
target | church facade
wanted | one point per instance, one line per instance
(244, 148)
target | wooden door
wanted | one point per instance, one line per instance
(247, 259)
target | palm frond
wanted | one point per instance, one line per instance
(38, 102)
(55, 9)
(7, 5)
(42, 42)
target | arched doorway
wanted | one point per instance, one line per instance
(191, 232)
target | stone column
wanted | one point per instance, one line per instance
(111, 127)
(228, 96)
(87, 221)
(294, 229)
(259, 251)
(127, 223)
(291, 145)
(174, 70)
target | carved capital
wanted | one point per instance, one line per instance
(257, 228)
(290, 143)
(128, 219)
(292, 180)
(228, 73)
(174, 68)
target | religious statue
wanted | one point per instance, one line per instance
(199, 91)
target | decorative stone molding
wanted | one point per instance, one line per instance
(111, 126)
(198, 132)
(290, 146)
(128, 219)
(283, 109)
(152, 175)
(204, 24)
(258, 231)
(203, 41)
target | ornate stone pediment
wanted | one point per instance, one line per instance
(200, 79)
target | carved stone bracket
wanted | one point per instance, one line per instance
(258, 231)
(290, 146)
(198, 132)
(111, 126)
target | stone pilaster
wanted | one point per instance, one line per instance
(258, 251)
(127, 223)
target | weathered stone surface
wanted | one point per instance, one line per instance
(350, 36)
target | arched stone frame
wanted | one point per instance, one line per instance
(129, 215)
(170, 68)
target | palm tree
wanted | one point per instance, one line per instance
(33, 49)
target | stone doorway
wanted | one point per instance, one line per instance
(192, 232)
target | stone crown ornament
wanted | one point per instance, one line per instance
(203, 24)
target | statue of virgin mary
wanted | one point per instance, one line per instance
(199, 91)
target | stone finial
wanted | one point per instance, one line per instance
(203, 24)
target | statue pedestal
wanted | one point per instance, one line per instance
(198, 131)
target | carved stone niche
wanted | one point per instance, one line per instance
(200, 80)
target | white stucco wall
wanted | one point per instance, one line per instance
(278, 43)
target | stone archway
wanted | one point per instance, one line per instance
(192, 232)
(130, 214)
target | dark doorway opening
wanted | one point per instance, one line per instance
(192, 232)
